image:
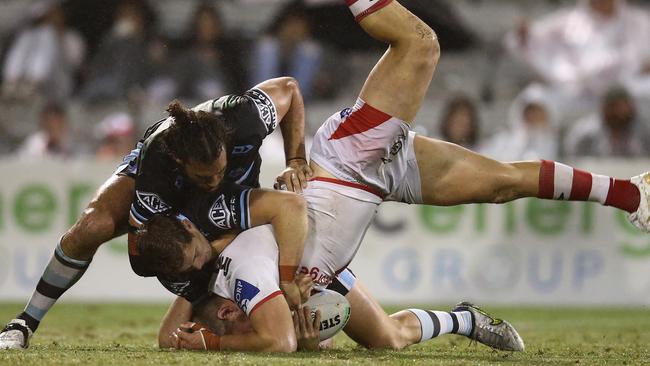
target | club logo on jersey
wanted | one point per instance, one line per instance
(219, 214)
(244, 293)
(265, 108)
(345, 113)
(152, 202)
(395, 149)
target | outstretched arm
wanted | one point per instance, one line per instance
(288, 101)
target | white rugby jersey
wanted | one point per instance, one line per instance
(248, 269)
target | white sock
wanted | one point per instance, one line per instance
(435, 323)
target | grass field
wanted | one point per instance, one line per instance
(118, 334)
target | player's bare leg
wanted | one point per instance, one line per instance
(452, 175)
(105, 218)
(399, 81)
(372, 328)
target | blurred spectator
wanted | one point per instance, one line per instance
(118, 68)
(288, 50)
(460, 122)
(199, 70)
(44, 57)
(117, 136)
(53, 138)
(533, 131)
(615, 132)
(581, 51)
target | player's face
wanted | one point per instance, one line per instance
(207, 176)
(198, 252)
(239, 323)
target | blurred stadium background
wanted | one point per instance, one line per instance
(518, 79)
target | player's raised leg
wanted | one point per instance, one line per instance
(371, 327)
(452, 175)
(398, 82)
(105, 218)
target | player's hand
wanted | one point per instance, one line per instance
(193, 336)
(307, 328)
(305, 285)
(297, 291)
(294, 178)
(291, 294)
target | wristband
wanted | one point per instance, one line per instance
(296, 158)
(211, 341)
(287, 273)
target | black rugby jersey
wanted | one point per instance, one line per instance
(162, 186)
(214, 214)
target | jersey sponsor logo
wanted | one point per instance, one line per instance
(244, 293)
(242, 149)
(152, 202)
(220, 214)
(395, 148)
(265, 108)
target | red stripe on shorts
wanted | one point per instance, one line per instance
(581, 185)
(361, 120)
(547, 179)
(349, 184)
(372, 9)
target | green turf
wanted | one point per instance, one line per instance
(118, 334)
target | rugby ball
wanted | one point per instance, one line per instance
(334, 312)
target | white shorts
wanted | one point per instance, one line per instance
(337, 225)
(368, 148)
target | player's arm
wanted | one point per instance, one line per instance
(179, 312)
(287, 98)
(287, 213)
(272, 332)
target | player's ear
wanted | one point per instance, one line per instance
(228, 311)
(187, 224)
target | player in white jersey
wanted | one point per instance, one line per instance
(247, 312)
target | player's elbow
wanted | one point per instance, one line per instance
(164, 341)
(282, 344)
(288, 84)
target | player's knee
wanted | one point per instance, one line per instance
(424, 48)
(296, 203)
(386, 340)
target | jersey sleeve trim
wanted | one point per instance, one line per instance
(248, 172)
(244, 202)
(265, 107)
(137, 217)
(261, 302)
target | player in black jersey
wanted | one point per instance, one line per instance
(250, 117)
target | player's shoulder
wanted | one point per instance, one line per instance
(253, 105)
